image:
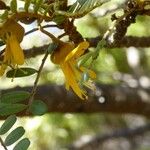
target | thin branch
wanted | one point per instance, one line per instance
(23, 15)
(37, 79)
(62, 35)
(35, 51)
(36, 29)
(54, 39)
(127, 41)
(116, 99)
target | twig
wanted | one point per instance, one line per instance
(2, 143)
(36, 80)
(21, 15)
(56, 98)
(127, 41)
(54, 39)
(62, 35)
(36, 29)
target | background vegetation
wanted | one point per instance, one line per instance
(116, 116)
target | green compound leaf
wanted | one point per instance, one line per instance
(86, 5)
(20, 72)
(4, 16)
(22, 145)
(6, 126)
(82, 7)
(27, 4)
(81, 2)
(9, 109)
(83, 59)
(13, 6)
(37, 5)
(58, 19)
(38, 107)
(14, 97)
(14, 136)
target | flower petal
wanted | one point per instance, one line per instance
(11, 26)
(78, 51)
(7, 55)
(60, 54)
(75, 70)
(71, 81)
(2, 69)
(15, 49)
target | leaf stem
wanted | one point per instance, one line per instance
(54, 39)
(36, 29)
(36, 81)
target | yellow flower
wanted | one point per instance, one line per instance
(12, 34)
(66, 56)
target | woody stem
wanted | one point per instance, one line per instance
(31, 99)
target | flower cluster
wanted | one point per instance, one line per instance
(66, 56)
(12, 34)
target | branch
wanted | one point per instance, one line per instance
(31, 99)
(35, 51)
(99, 139)
(107, 98)
(127, 41)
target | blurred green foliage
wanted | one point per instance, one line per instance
(57, 131)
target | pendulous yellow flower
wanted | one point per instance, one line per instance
(12, 34)
(66, 56)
